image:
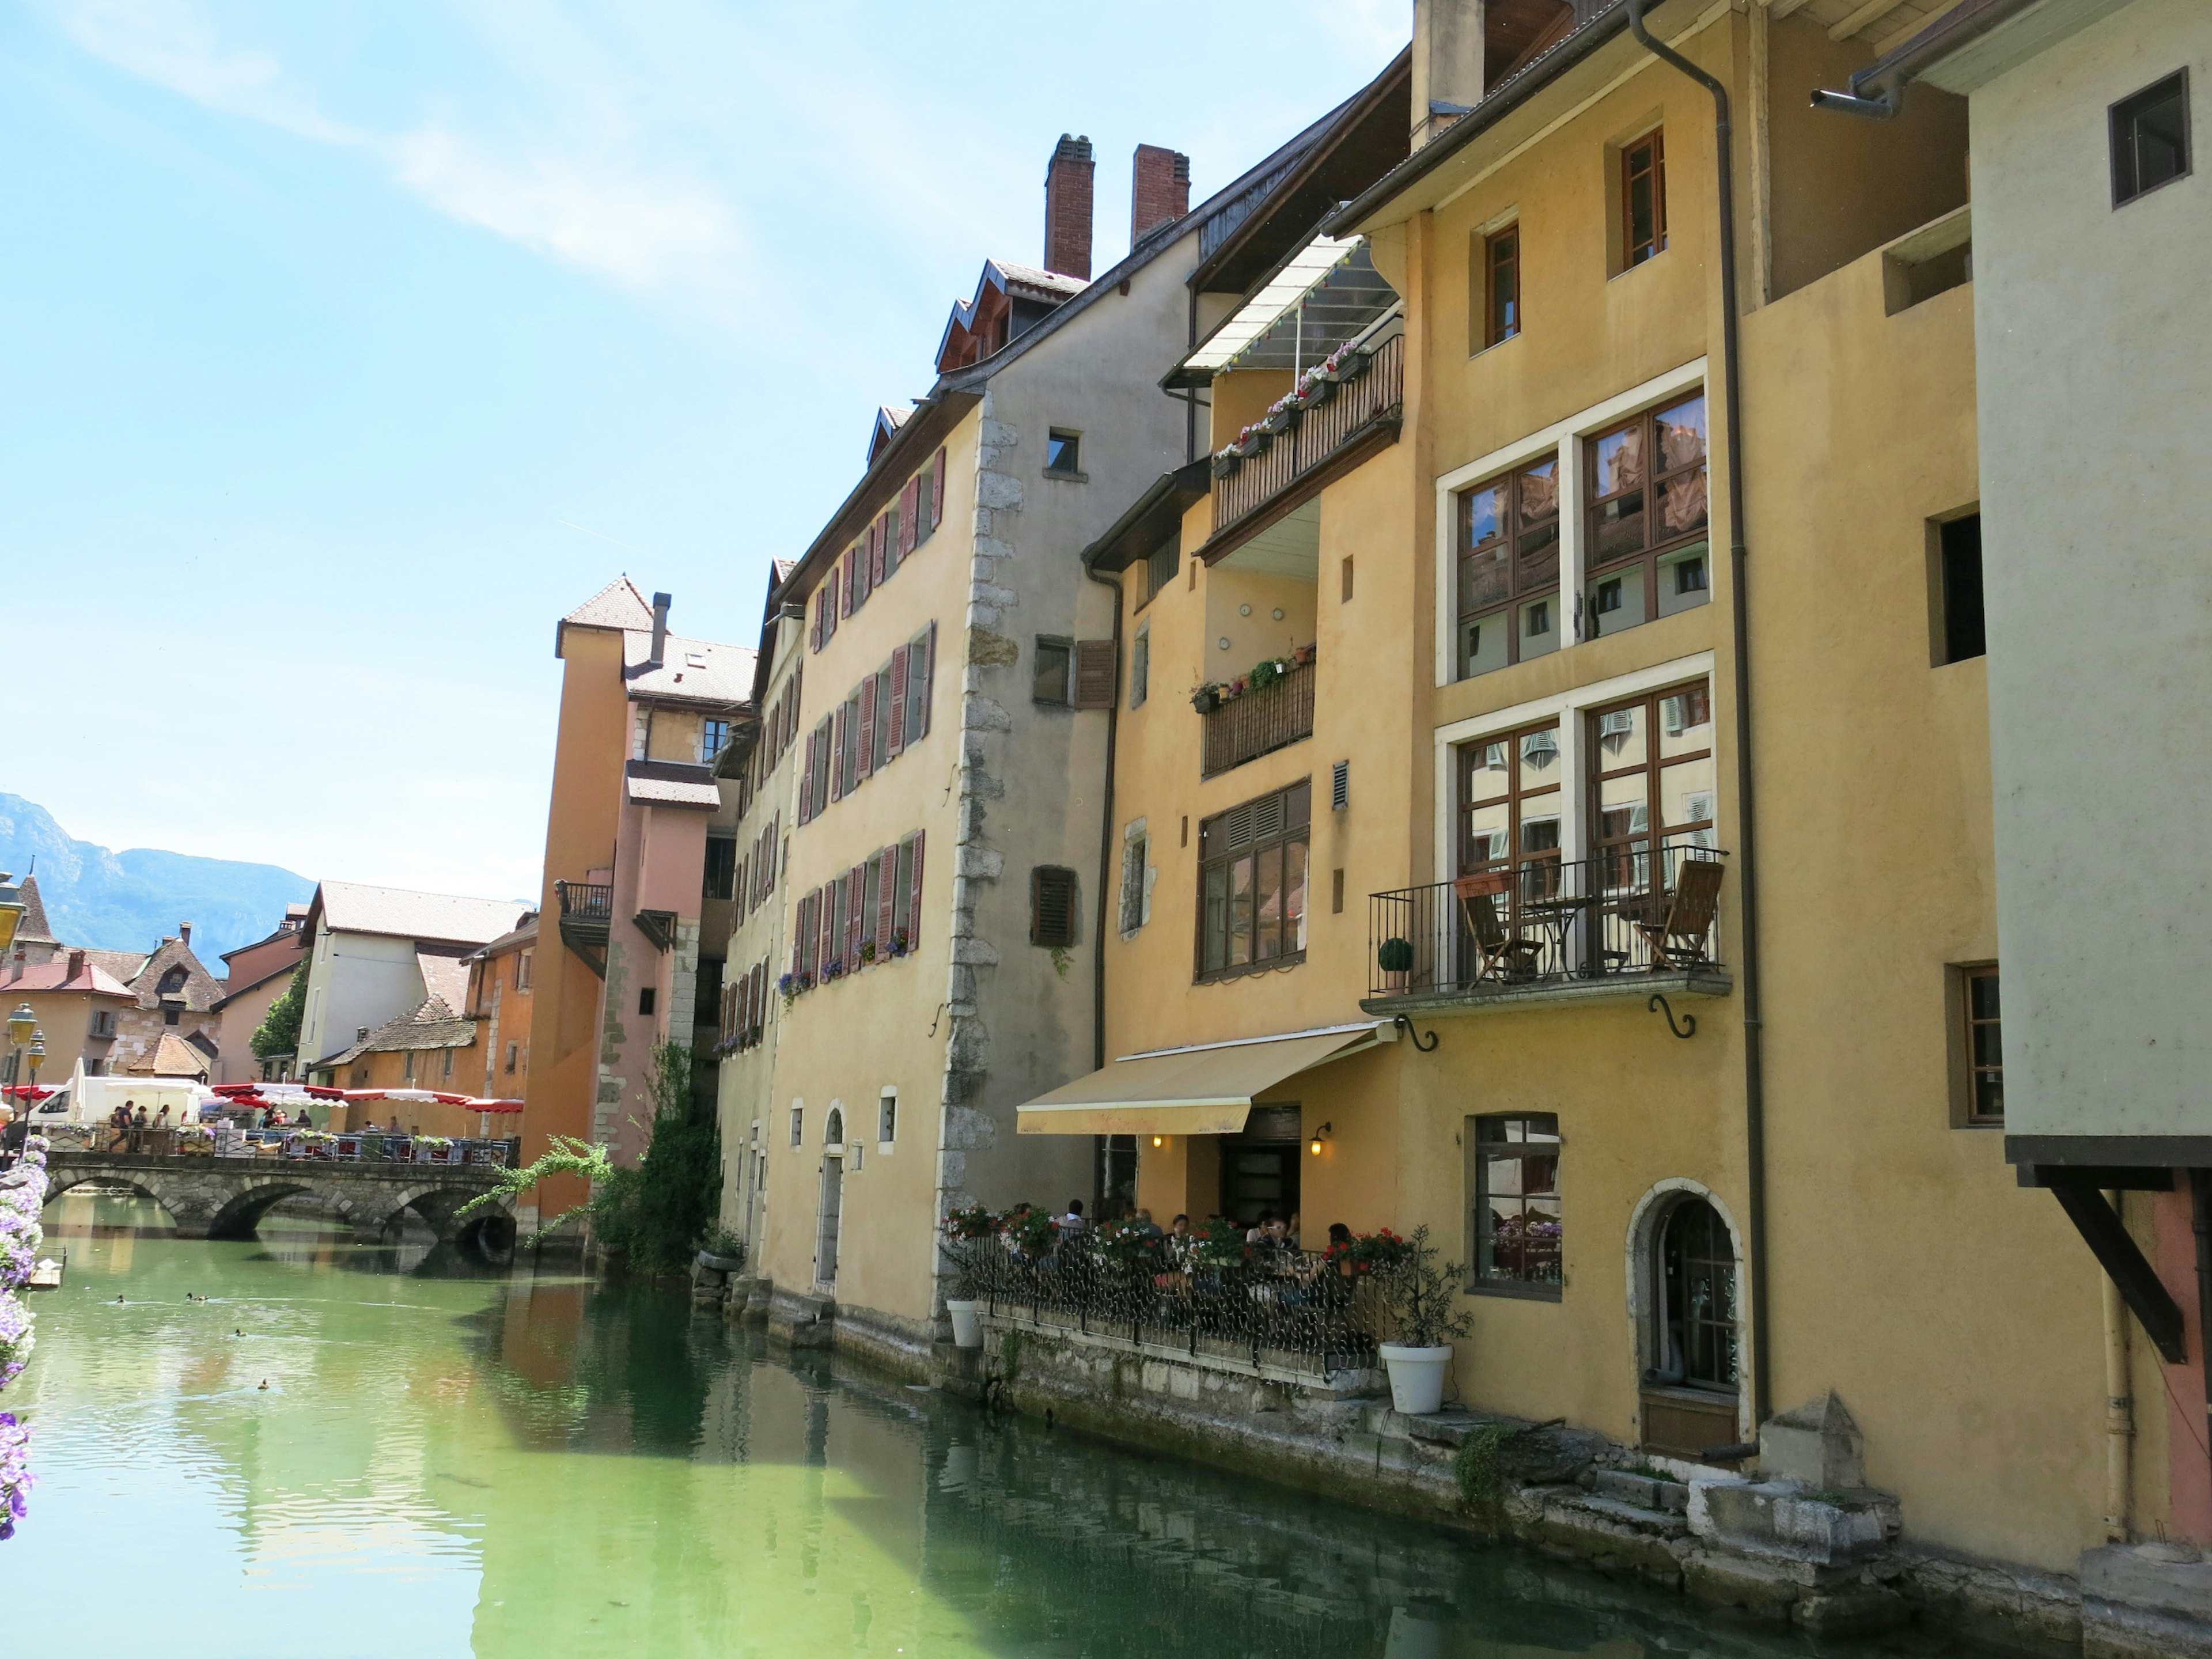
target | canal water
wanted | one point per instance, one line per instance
(350, 1451)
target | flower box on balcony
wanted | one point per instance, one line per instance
(1227, 461)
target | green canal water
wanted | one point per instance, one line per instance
(350, 1451)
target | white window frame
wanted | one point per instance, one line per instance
(1568, 709)
(883, 1147)
(1565, 440)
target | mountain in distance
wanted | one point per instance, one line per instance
(131, 901)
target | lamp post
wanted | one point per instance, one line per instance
(22, 1026)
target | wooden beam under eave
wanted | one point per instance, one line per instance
(1873, 12)
(2115, 1248)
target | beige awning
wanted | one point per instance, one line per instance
(1204, 1090)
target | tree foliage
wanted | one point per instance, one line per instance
(279, 1031)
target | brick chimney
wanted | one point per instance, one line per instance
(1067, 207)
(184, 933)
(1448, 66)
(76, 966)
(660, 604)
(1159, 190)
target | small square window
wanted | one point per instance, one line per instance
(887, 1120)
(798, 1125)
(648, 999)
(1063, 453)
(1052, 673)
(2150, 138)
(1052, 906)
(1961, 634)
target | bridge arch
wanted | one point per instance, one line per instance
(62, 1179)
(228, 1198)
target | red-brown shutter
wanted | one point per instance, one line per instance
(825, 911)
(867, 766)
(897, 714)
(937, 492)
(926, 680)
(913, 897)
(850, 567)
(806, 783)
(909, 511)
(837, 754)
(814, 632)
(880, 547)
(856, 884)
(1095, 663)
(886, 863)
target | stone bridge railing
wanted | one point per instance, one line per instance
(226, 1198)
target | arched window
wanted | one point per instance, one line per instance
(833, 1131)
(1694, 1340)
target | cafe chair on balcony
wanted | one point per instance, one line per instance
(1501, 951)
(1677, 927)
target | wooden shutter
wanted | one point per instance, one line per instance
(909, 510)
(856, 885)
(921, 661)
(867, 766)
(837, 754)
(821, 606)
(806, 783)
(825, 924)
(1096, 661)
(879, 548)
(886, 901)
(850, 569)
(896, 713)
(937, 492)
(1052, 905)
(914, 894)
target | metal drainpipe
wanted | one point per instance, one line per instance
(1105, 835)
(2200, 1197)
(1754, 1088)
(2119, 1403)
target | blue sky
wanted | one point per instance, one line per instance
(347, 345)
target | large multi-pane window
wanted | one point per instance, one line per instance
(1651, 784)
(1509, 793)
(1648, 552)
(1514, 1222)
(1508, 569)
(1251, 884)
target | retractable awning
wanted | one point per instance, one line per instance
(1202, 1090)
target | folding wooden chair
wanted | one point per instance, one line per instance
(1501, 952)
(1676, 928)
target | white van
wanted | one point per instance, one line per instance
(86, 1101)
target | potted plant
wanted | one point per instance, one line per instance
(1226, 462)
(1305, 654)
(966, 1232)
(1394, 956)
(1220, 1242)
(1206, 699)
(723, 1252)
(1420, 1294)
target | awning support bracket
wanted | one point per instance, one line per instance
(1405, 1025)
(2115, 1248)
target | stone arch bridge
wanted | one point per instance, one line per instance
(226, 1198)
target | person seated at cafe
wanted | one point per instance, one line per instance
(1257, 1233)
(1146, 1225)
(1072, 1222)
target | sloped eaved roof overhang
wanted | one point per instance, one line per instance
(1203, 1090)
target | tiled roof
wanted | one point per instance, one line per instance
(123, 964)
(55, 975)
(397, 912)
(432, 1025)
(200, 989)
(34, 928)
(1049, 282)
(525, 934)
(618, 605)
(444, 979)
(172, 1057)
(667, 792)
(691, 671)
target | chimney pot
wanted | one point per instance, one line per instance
(1068, 179)
(360, 1034)
(185, 932)
(76, 964)
(1159, 189)
(660, 604)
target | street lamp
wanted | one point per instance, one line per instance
(22, 1026)
(38, 1052)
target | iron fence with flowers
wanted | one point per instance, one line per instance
(1338, 403)
(1212, 1294)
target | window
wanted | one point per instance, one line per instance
(1052, 905)
(407, 1070)
(1336, 892)
(880, 753)
(1251, 884)
(1063, 453)
(833, 1129)
(887, 1118)
(2150, 138)
(722, 874)
(1643, 200)
(1651, 764)
(1500, 299)
(1959, 634)
(447, 1070)
(1513, 1227)
(714, 737)
(1140, 667)
(1645, 491)
(1984, 1045)
(647, 999)
(849, 747)
(523, 964)
(514, 1054)
(1695, 1341)
(798, 1125)
(168, 1017)
(172, 982)
(1345, 576)
(103, 1023)
(1136, 858)
(1051, 678)
(1340, 786)
(1509, 793)
(1508, 569)
(1160, 566)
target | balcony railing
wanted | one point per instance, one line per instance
(1290, 1310)
(1353, 408)
(587, 908)
(1250, 724)
(1564, 926)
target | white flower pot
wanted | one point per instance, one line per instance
(967, 1323)
(1417, 1377)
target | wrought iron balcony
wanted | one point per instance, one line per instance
(1551, 931)
(1341, 412)
(587, 908)
(1252, 723)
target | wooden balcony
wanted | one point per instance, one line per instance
(586, 910)
(1248, 726)
(1365, 404)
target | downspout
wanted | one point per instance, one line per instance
(2119, 1404)
(1747, 863)
(2200, 1195)
(1105, 835)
